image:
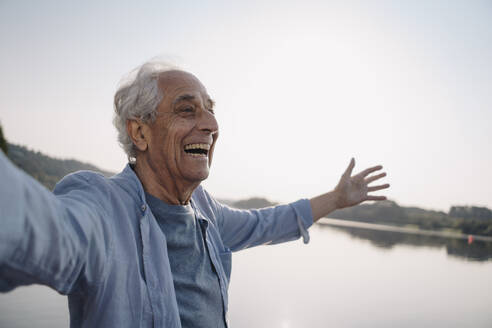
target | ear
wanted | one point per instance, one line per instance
(139, 133)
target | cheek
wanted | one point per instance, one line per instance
(169, 136)
(180, 129)
(165, 132)
(174, 138)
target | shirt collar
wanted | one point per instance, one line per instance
(128, 180)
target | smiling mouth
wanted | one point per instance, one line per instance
(197, 150)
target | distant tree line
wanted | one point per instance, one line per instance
(389, 212)
(471, 212)
(45, 169)
(472, 219)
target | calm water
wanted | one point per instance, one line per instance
(346, 277)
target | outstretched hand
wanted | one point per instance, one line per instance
(353, 190)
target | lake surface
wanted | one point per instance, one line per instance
(347, 276)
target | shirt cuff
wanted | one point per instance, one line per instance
(304, 217)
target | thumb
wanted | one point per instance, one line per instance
(348, 171)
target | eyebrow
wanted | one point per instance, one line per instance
(188, 97)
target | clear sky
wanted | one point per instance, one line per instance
(300, 86)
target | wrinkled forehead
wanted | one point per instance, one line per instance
(174, 82)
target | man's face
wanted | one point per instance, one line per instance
(185, 130)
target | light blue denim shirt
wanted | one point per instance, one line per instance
(96, 240)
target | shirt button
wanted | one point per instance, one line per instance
(144, 207)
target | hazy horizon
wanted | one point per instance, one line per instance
(232, 199)
(300, 89)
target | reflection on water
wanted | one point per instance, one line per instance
(345, 277)
(348, 277)
(460, 246)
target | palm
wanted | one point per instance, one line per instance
(353, 190)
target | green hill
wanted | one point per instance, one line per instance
(255, 202)
(45, 169)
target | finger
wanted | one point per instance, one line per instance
(348, 171)
(368, 171)
(376, 198)
(375, 177)
(378, 187)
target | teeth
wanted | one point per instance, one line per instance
(197, 146)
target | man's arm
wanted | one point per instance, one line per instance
(242, 229)
(57, 241)
(246, 228)
(350, 191)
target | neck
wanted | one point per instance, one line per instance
(161, 185)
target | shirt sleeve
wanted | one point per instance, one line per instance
(242, 229)
(60, 241)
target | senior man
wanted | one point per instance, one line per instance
(148, 247)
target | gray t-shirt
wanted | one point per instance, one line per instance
(195, 280)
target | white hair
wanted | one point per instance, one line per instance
(138, 97)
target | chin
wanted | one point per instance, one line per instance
(198, 176)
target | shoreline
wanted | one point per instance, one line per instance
(386, 227)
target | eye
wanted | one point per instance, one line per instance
(211, 110)
(186, 110)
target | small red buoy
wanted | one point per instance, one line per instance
(470, 239)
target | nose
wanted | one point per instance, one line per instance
(207, 122)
